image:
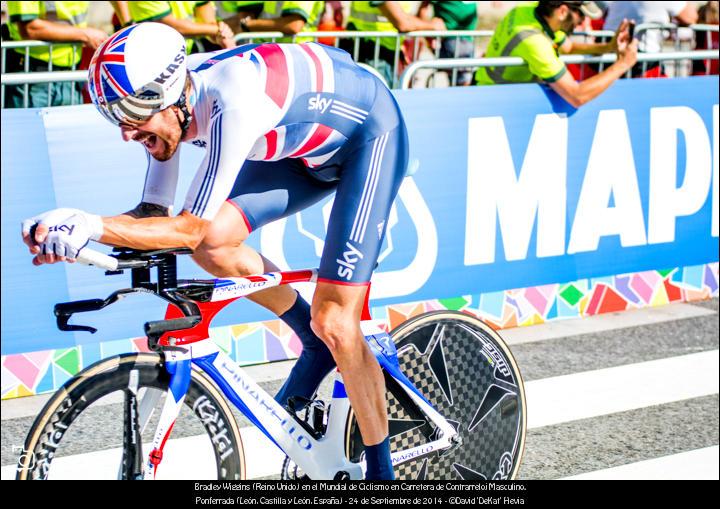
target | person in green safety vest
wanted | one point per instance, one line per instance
(287, 17)
(194, 20)
(537, 32)
(52, 22)
(456, 16)
(383, 17)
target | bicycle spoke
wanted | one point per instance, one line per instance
(400, 426)
(438, 366)
(493, 397)
(468, 474)
(422, 474)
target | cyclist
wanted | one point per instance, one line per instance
(284, 125)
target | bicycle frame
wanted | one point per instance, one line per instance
(321, 458)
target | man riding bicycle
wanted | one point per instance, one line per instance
(284, 126)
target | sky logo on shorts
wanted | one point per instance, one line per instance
(339, 108)
(347, 264)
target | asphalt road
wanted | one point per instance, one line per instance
(643, 433)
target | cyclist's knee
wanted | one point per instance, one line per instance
(338, 330)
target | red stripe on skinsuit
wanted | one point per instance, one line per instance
(277, 83)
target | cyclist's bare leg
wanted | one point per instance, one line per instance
(336, 311)
(223, 253)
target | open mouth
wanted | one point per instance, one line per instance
(151, 142)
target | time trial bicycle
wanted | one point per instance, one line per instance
(456, 402)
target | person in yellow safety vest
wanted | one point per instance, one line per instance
(287, 17)
(383, 17)
(52, 22)
(194, 20)
(537, 32)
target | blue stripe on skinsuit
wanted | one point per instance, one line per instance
(215, 168)
(206, 187)
(222, 56)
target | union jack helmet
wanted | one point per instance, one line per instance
(137, 72)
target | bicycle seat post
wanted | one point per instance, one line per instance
(167, 272)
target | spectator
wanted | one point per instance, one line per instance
(456, 16)
(536, 32)
(121, 16)
(650, 41)
(708, 15)
(331, 21)
(194, 20)
(239, 11)
(383, 17)
(52, 22)
(5, 32)
(287, 17)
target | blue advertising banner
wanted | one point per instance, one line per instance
(513, 188)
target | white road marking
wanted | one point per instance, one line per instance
(700, 464)
(611, 390)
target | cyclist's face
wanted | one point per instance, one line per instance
(160, 134)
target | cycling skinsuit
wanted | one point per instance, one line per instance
(284, 126)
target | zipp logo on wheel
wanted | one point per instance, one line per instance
(347, 264)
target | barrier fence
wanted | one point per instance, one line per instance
(413, 50)
(445, 64)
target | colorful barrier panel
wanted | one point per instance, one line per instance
(610, 207)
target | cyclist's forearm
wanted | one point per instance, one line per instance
(124, 230)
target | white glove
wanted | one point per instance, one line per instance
(48, 218)
(67, 237)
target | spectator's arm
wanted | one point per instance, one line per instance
(579, 93)
(205, 13)
(122, 11)
(688, 15)
(190, 28)
(584, 48)
(405, 22)
(424, 11)
(291, 24)
(44, 30)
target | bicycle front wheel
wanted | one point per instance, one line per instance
(466, 371)
(80, 432)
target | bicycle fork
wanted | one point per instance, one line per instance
(137, 415)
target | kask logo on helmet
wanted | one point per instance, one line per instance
(170, 69)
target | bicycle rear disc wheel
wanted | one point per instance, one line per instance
(466, 371)
(79, 432)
